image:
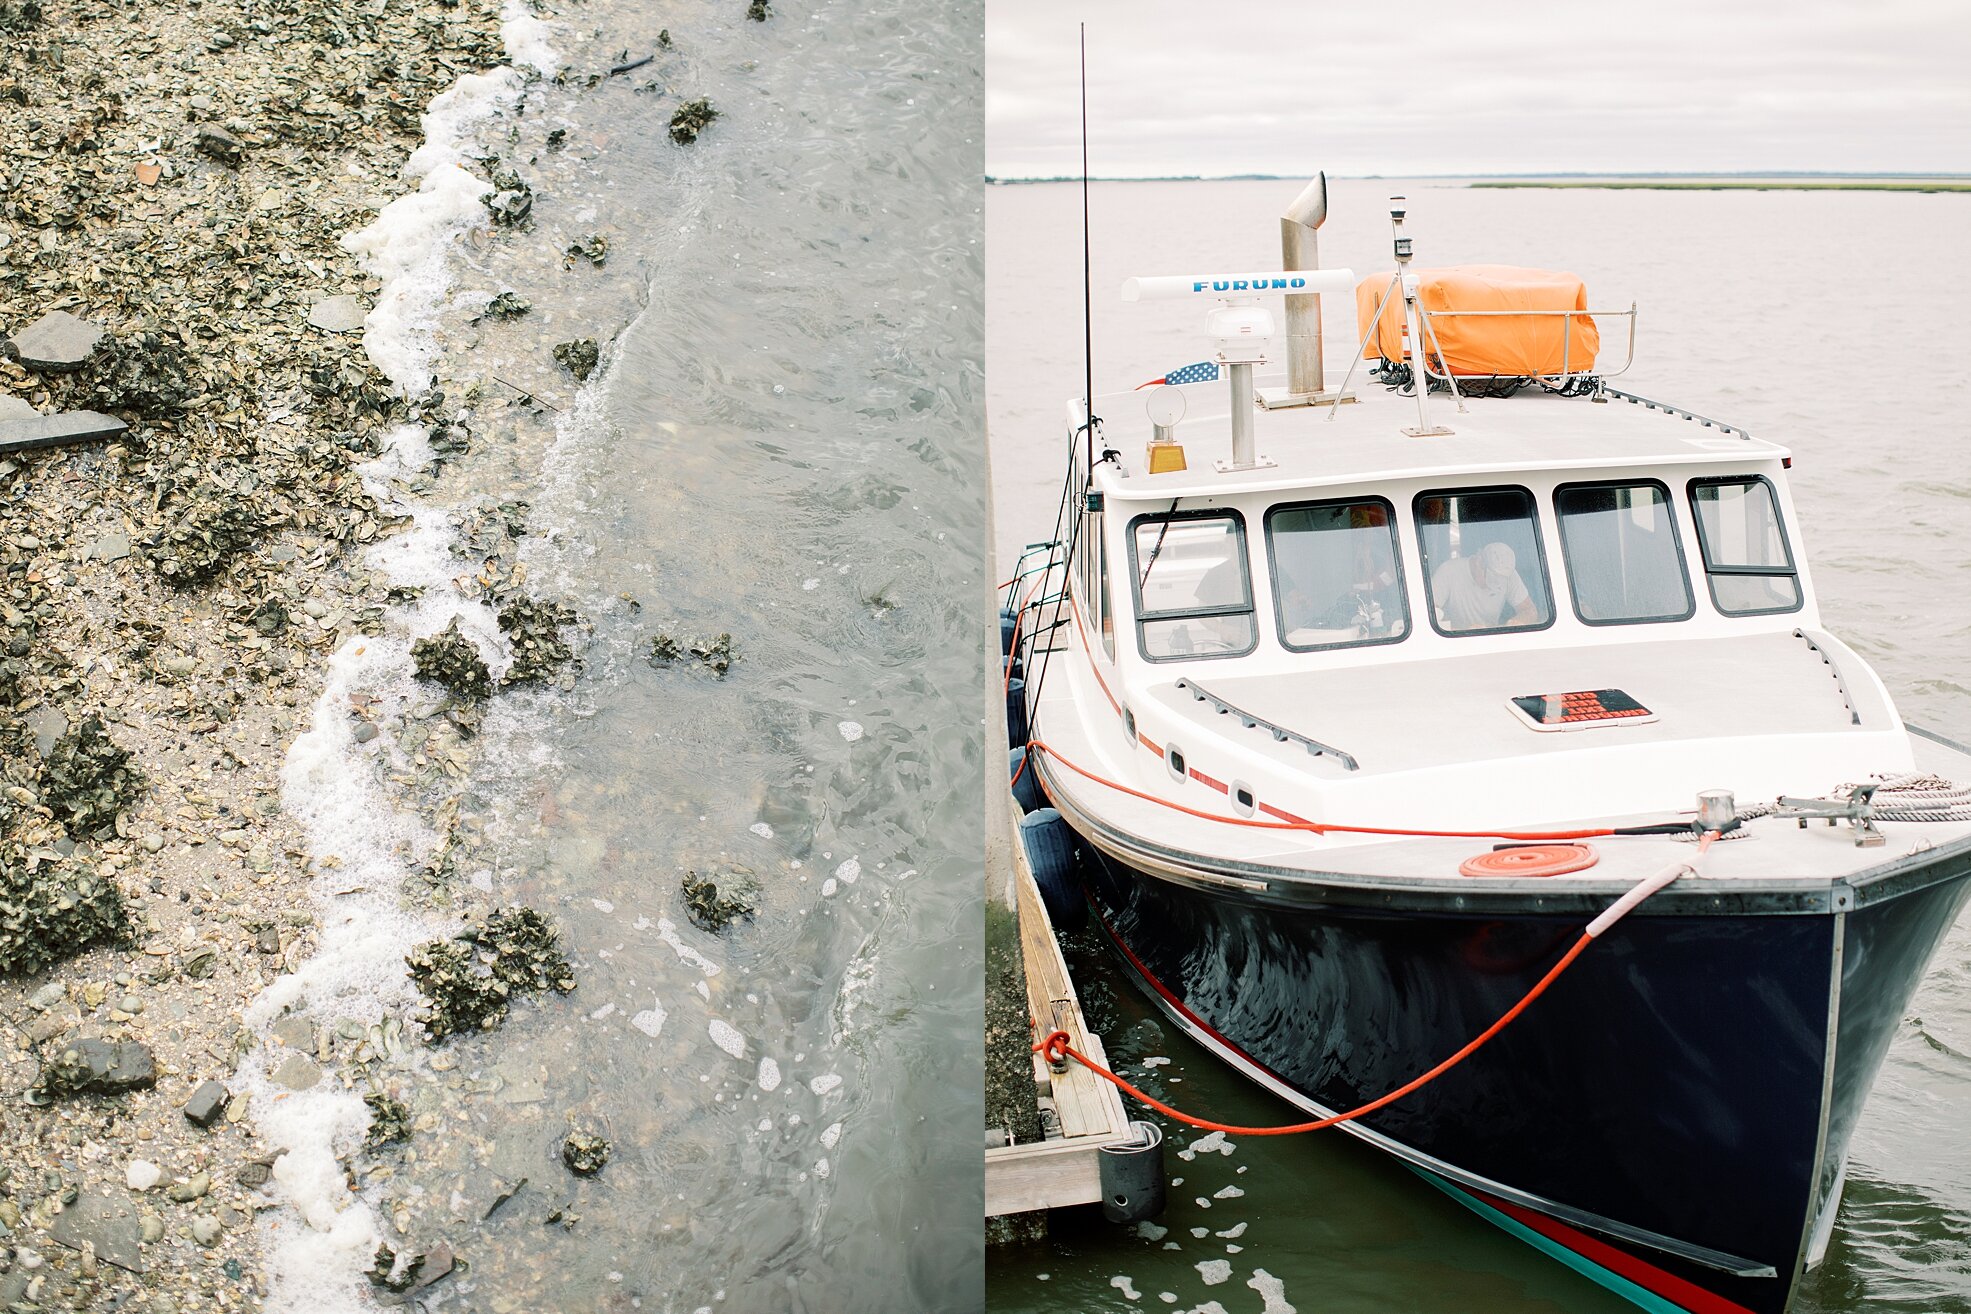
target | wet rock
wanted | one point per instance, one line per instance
(97, 1067)
(390, 1121)
(594, 248)
(579, 357)
(507, 305)
(533, 627)
(690, 119)
(450, 659)
(207, 1104)
(663, 38)
(469, 980)
(216, 143)
(53, 907)
(758, 11)
(343, 314)
(584, 1153)
(714, 905)
(56, 343)
(296, 1072)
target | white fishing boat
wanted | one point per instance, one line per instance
(1365, 715)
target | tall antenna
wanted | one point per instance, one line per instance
(1087, 273)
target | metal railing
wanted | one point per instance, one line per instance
(1566, 318)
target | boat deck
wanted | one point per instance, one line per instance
(1364, 442)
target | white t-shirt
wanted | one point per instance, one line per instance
(1465, 603)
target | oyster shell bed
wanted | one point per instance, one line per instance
(181, 179)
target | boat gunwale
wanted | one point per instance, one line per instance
(1698, 895)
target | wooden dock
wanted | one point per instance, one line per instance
(1064, 1169)
(1080, 1111)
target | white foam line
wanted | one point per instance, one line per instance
(407, 244)
(317, 1245)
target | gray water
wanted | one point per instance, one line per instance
(1819, 320)
(784, 447)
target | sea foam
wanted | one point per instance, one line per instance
(317, 1245)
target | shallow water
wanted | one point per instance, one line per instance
(782, 447)
(1780, 311)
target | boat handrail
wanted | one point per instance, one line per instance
(1279, 732)
(1677, 411)
(1566, 375)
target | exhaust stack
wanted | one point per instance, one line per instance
(1300, 249)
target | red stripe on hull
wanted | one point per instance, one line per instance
(1685, 1294)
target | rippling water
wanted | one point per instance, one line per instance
(783, 447)
(1785, 312)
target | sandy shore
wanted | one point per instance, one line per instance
(178, 176)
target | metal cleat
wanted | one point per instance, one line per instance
(1856, 808)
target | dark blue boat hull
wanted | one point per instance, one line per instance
(1669, 1112)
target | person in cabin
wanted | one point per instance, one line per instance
(1482, 591)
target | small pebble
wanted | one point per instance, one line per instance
(142, 1175)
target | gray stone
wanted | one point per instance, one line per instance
(205, 1229)
(223, 146)
(295, 1032)
(297, 1072)
(99, 1067)
(13, 408)
(112, 1226)
(57, 342)
(110, 547)
(206, 1105)
(54, 430)
(48, 725)
(47, 997)
(342, 314)
(365, 732)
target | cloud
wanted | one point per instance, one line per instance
(1190, 88)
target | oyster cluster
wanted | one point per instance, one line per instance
(469, 980)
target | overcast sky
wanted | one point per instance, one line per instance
(1264, 86)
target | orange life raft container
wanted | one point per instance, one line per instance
(1491, 344)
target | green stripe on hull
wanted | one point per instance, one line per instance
(1615, 1282)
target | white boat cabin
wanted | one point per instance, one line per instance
(1563, 609)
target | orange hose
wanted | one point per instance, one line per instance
(1055, 1047)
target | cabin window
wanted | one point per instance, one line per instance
(1746, 558)
(1337, 582)
(1623, 559)
(1193, 591)
(1482, 561)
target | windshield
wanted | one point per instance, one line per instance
(1620, 544)
(1746, 558)
(1482, 561)
(1336, 582)
(1193, 593)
